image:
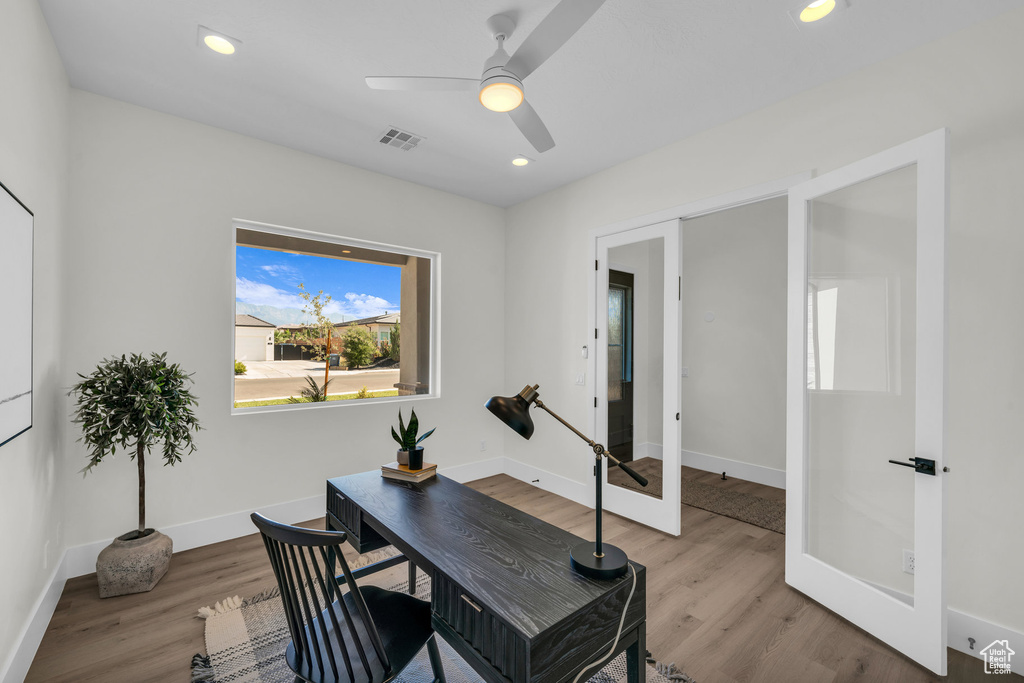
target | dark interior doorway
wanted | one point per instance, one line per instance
(620, 365)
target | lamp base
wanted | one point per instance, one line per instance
(613, 565)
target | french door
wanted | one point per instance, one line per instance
(865, 467)
(637, 376)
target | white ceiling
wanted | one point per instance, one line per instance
(639, 75)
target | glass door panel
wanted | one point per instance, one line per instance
(860, 379)
(635, 359)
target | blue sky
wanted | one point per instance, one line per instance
(264, 277)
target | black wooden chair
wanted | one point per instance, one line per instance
(365, 635)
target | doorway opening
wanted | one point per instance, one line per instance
(620, 364)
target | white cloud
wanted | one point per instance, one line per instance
(366, 305)
(262, 294)
(351, 306)
(281, 270)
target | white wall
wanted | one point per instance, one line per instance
(734, 397)
(152, 200)
(33, 155)
(969, 82)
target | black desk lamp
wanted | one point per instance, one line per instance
(596, 560)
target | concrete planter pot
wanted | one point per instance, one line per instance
(412, 459)
(133, 565)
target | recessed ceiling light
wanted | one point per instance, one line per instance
(217, 41)
(218, 44)
(819, 9)
(520, 161)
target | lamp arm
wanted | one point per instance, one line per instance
(599, 450)
(593, 444)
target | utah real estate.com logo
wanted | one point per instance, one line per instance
(997, 657)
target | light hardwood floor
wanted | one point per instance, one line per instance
(717, 606)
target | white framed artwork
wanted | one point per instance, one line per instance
(15, 316)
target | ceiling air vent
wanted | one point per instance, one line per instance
(403, 140)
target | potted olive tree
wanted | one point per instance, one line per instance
(134, 403)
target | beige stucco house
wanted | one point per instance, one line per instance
(254, 338)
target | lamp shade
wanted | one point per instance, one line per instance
(513, 411)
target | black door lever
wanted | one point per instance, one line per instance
(921, 465)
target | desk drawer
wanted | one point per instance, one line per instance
(501, 647)
(343, 514)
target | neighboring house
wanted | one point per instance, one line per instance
(380, 326)
(293, 330)
(254, 338)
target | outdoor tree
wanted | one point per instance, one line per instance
(395, 335)
(323, 329)
(359, 346)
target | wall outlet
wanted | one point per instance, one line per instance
(908, 561)
(581, 379)
(483, 445)
(686, 372)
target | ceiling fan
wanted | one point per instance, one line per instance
(501, 84)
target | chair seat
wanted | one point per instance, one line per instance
(402, 621)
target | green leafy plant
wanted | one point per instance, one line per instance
(240, 368)
(358, 346)
(384, 349)
(363, 393)
(396, 338)
(406, 436)
(314, 393)
(136, 402)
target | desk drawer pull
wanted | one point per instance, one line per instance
(472, 604)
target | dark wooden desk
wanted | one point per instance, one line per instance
(503, 594)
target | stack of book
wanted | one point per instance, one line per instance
(402, 472)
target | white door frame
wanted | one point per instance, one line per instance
(918, 630)
(660, 513)
(728, 200)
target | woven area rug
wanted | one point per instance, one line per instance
(246, 640)
(763, 512)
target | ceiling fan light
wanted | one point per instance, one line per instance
(817, 10)
(501, 94)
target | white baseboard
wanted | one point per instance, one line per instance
(81, 559)
(471, 471)
(741, 470)
(962, 626)
(15, 669)
(555, 483)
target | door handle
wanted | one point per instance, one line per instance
(920, 465)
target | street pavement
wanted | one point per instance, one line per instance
(279, 379)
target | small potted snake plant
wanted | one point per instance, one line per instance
(410, 452)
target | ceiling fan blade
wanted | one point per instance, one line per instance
(553, 31)
(533, 129)
(422, 83)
